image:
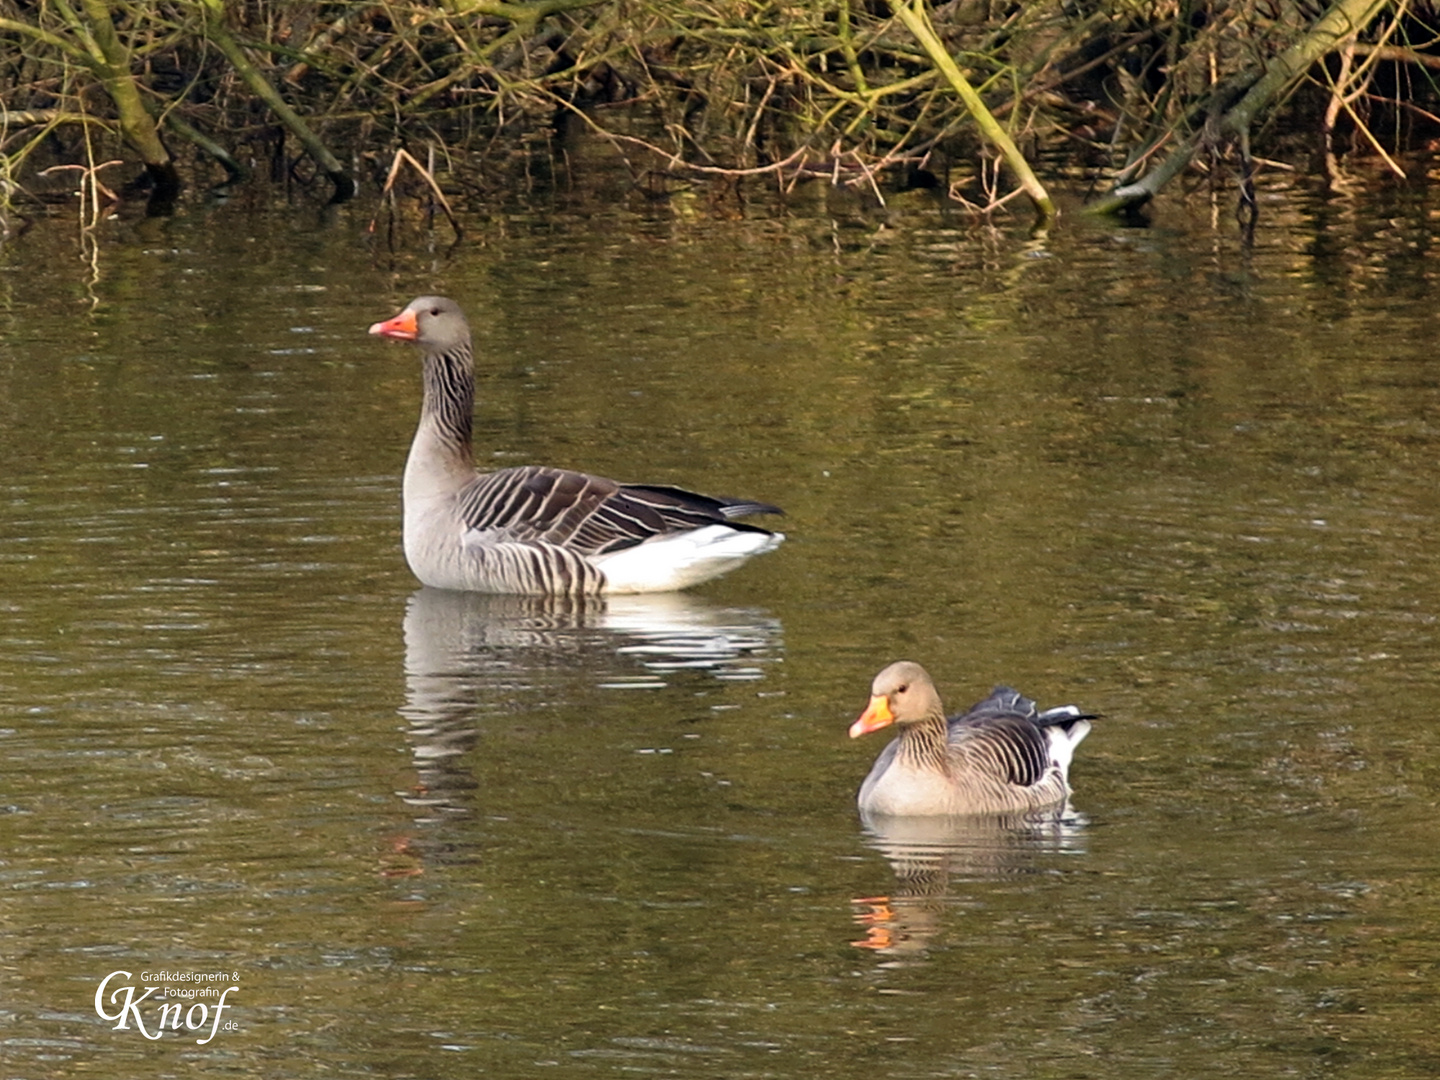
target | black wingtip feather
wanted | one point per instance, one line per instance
(734, 508)
(724, 506)
(1005, 699)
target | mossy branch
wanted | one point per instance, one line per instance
(235, 170)
(110, 61)
(518, 13)
(22, 118)
(1341, 23)
(913, 15)
(44, 37)
(260, 86)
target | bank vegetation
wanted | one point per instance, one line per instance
(980, 98)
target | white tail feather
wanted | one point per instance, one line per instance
(680, 560)
(1063, 743)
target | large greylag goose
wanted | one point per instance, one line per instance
(1000, 757)
(540, 531)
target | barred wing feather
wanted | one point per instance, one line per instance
(1008, 746)
(587, 514)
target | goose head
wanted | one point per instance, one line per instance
(434, 322)
(901, 694)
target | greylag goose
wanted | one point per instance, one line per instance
(1002, 756)
(540, 531)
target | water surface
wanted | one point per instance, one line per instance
(1186, 485)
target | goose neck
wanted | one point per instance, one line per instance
(925, 743)
(449, 402)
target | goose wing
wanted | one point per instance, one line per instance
(1004, 736)
(588, 514)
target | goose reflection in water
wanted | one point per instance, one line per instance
(930, 854)
(464, 652)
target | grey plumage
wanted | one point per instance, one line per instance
(538, 530)
(1002, 755)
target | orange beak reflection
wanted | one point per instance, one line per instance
(401, 328)
(876, 715)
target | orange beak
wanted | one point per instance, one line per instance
(876, 715)
(401, 328)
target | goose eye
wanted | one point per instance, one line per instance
(902, 688)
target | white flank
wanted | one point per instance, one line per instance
(679, 560)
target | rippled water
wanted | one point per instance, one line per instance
(1185, 485)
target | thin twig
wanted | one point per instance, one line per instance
(403, 157)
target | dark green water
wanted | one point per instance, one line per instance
(1190, 487)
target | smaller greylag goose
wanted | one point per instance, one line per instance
(540, 531)
(1001, 756)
